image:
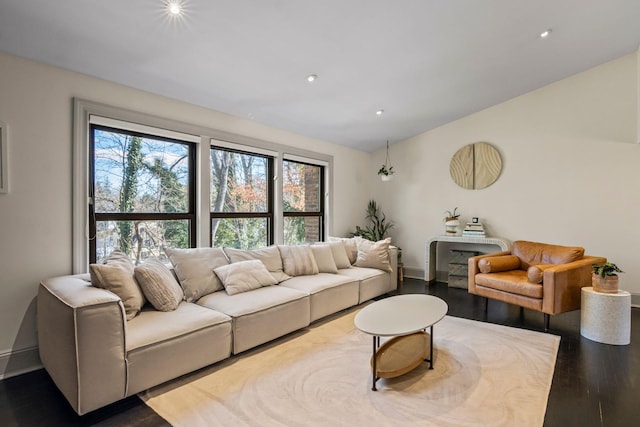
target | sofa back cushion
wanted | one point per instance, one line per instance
(298, 260)
(194, 268)
(533, 253)
(269, 256)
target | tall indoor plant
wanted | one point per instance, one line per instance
(378, 226)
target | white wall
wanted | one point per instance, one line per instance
(571, 171)
(35, 216)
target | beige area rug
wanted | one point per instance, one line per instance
(484, 375)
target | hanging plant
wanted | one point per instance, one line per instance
(386, 170)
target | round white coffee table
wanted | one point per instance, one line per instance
(404, 317)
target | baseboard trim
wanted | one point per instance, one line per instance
(413, 273)
(18, 362)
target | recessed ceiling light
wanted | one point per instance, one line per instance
(174, 7)
(312, 78)
(545, 34)
(380, 112)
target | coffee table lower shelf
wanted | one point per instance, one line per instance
(401, 355)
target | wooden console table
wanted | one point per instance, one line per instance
(432, 245)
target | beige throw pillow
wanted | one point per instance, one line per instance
(298, 260)
(269, 256)
(244, 276)
(159, 286)
(374, 254)
(339, 253)
(350, 246)
(324, 258)
(116, 275)
(194, 268)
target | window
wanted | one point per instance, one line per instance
(143, 193)
(241, 199)
(302, 202)
(143, 182)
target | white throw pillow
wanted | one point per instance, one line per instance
(116, 275)
(298, 260)
(269, 256)
(159, 286)
(244, 276)
(350, 246)
(324, 258)
(339, 253)
(194, 268)
(374, 254)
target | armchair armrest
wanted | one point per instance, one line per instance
(81, 336)
(562, 283)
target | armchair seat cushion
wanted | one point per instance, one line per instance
(513, 282)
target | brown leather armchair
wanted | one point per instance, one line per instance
(539, 276)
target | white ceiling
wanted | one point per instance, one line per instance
(425, 62)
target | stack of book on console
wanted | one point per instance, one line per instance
(474, 229)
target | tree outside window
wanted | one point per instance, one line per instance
(241, 199)
(143, 194)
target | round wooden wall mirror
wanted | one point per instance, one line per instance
(475, 166)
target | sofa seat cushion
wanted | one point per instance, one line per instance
(152, 326)
(373, 282)
(329, 293)
(317, 282)
(361, 273)
(513, 282)
(261, 315)
(250, 302)
(164, 345)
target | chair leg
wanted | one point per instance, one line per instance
(546, 322)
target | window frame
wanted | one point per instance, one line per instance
(290, 146)
(95, 217)
(321, 195)
(269, 214)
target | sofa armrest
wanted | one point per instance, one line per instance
(562, 284)
(81, 336)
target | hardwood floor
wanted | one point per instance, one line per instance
(593, 384)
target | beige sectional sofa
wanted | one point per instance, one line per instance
(96, 356)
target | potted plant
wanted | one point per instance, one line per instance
(385, 172)
(604, 278)
(452, 223)
(378, 226)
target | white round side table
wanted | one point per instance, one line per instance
(606, 318)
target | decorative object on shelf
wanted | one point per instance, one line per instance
(475, 166)
(605, 279)
(452, 223)
(386, 171)
(378, 226)
(474, 229)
